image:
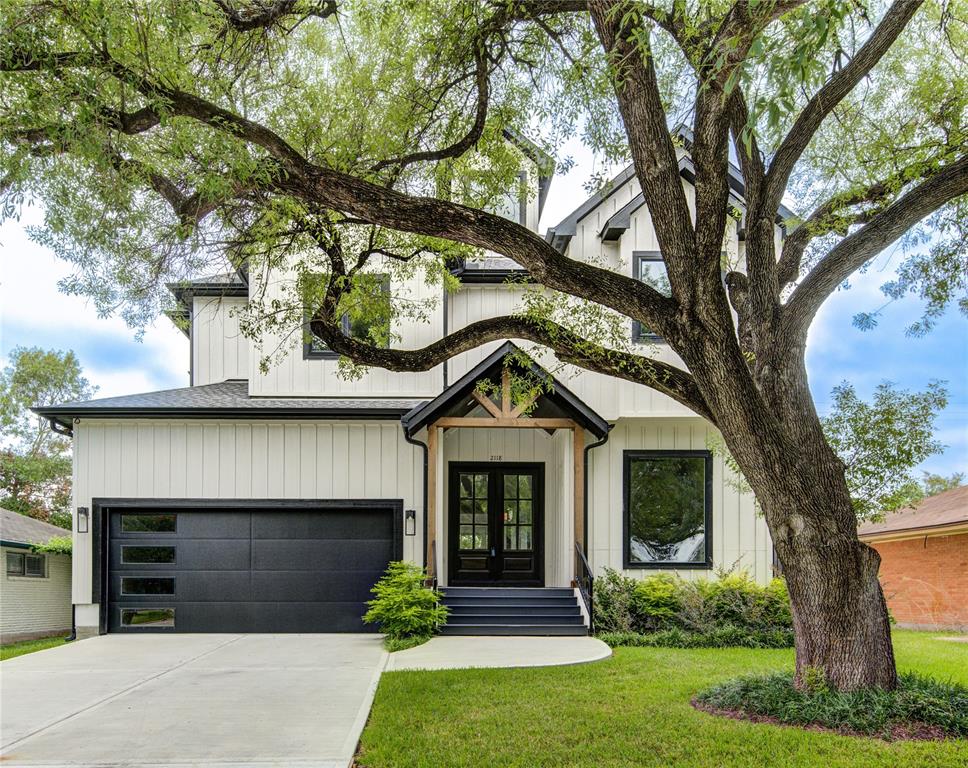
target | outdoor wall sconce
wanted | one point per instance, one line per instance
(82, 519)
(410, 522)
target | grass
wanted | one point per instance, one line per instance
(631, 710)
(394, 644)
(29, 646)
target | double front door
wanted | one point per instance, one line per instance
(496, 531)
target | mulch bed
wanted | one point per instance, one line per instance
(897, 731)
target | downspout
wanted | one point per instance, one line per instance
(426, 461)
(446, 331)
(585, 480)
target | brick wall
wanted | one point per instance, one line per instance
(32, 607)
(925, 581)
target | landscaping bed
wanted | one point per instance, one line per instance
(920, 708)
(12, 650)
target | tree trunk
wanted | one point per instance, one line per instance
(769, 423)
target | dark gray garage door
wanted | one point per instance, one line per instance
(247, 570)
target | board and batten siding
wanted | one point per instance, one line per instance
(31, 606)
(242, 460)
(219, 350)
(741, 539)
(291, 375)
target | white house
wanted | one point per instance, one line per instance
(270, 500)
(35, 592)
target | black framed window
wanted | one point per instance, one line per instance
(138, 555)
(649, 267)
(149, 523)
(147, 617)
(668, 509)
(28, 565)
(148, 585)
(352, 325)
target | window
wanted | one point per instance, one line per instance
(649, 267)
(148, 586)
(22, 564)
(668, 509)
(518, 513)
(147, 555)
(149, 523)
(473, 496)
(374, 326)
(147, 617)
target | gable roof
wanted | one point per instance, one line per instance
(226, 399)
(934, 514)
(560, 235)
(451, 397)
(20, 530)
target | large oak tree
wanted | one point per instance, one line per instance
(320, 135)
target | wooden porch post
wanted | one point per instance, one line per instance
(578, 446)
(431, 501)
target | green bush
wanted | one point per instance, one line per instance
(58, 545)
(919, 707)
(614, 599)
(718, 637)
(731, 610)
(403, 606)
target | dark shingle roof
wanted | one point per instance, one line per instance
(20, 529)
(946, 509)
(227, 399)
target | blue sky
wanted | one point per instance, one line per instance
(34, 313)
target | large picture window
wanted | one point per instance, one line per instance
(371, 325)
(649, 268)
(668, 509)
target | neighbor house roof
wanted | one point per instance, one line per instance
(557, 396)
(936, 515)
(226, 399)
(18, 530)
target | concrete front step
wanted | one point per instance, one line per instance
(509, 602)
(514, 629)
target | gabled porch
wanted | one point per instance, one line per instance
(506, 477)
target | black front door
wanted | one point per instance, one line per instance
(496, 524)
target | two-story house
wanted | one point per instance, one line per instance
(271, 500)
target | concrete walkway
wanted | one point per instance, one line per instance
(177, 700)
(467, 652)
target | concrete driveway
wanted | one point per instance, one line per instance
(176, 700)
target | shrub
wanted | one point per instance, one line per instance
(718, 637)
(731, 610)
(403, 606)
(656, 602)
(920, 707)
(614, 599)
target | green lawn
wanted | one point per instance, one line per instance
(28, 646)
(631, 710)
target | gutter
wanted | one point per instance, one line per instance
(585, 478)
(426, 469)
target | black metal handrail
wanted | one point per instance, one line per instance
(586, 584)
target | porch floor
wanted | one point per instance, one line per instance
(463, 652)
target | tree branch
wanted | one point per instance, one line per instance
(830, 216)
(261, 15)
(851, 253)
(830, 95)
(567, 346)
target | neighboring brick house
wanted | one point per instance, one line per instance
(35, 590)
(924, 561)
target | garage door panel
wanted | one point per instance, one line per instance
(335, 524)
(322, 586)
(190, 554)
(291, 554)
(249, 570)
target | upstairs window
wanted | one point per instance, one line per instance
(648, 267)
(369, 321)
